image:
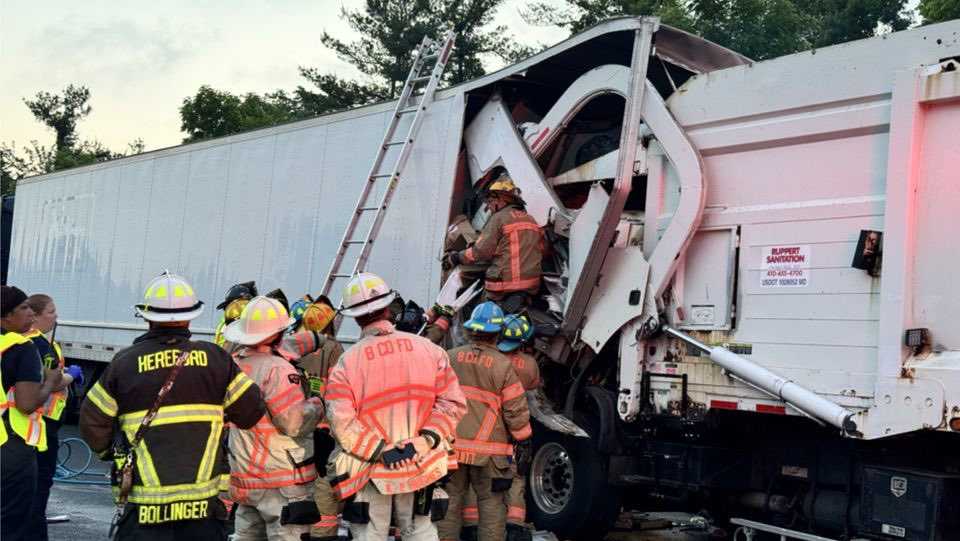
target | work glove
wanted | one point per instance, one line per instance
(76, 373)
(450, 260)
(522, 455)
(442, 310)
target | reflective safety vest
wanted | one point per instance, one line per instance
(218, 338)
(56, 402)
(29, 427)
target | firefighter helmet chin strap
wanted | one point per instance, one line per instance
(126, 472)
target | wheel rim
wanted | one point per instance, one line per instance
(551, 478)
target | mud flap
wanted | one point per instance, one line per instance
(542, 411)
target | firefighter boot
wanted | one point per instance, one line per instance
(516, 532)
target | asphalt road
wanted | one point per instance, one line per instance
(90, 506)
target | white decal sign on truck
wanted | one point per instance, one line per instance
(785, 266)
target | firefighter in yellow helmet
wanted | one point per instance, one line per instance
(26, 386)
(317, 316)
(173, 484)
(235, 299)
(271, 463)
(511, 244)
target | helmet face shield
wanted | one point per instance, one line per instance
(234, 309)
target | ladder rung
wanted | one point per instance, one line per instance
(355, 242)
(408, 110)
(337, 275)
(364, 209)
(395, 143)
(382, 175)
(421, 79)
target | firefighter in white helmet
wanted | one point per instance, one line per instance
(271, 464)
(393, 403)
(174, 481)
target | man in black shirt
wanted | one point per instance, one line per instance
(26, 387)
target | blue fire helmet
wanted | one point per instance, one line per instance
(486, 317)
(517, 330)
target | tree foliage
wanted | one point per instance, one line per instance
(61, 113)
(215, 113)
(759, 29)
(389, 32)
(935, 11)
(390, 29)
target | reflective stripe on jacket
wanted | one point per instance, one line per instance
(497, 411)
(57, 401)
(180, 456)
(388, 387)
(278, 450)
(29, 427)
(512, 243)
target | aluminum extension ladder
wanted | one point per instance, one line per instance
(430, 60)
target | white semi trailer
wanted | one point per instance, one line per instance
(749, 301)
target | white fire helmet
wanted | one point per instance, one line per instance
(261, 318)
(169, 297)
(366, 293)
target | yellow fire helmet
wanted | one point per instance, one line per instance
(318, 316)
(503, 184)
(234, 309)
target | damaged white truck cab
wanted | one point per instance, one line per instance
(749, 298)
(751, 274)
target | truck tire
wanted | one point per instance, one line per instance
(567, 489)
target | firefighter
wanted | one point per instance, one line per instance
(393, 403)
(516, 342)
(233, 302)
(174, 480)
(497, 416)
(317, 317)
(511, 244)
(45, 311)
(26, 387)
(271, 463)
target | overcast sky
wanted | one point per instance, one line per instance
(141, 58)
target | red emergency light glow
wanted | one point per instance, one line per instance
(770, 408)
(723, 405)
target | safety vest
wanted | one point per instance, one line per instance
(29, 427)
(218, 338)
(57, 401)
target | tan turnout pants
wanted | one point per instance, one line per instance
(381, 507)
(513, 499)
(328, 506)
(259, 519)
(492, 513)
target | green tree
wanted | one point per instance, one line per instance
(935, 11)
(391, 29)
(759, 29)
(215, 113)
(61, 113)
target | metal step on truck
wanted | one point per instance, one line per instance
(749, 301)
